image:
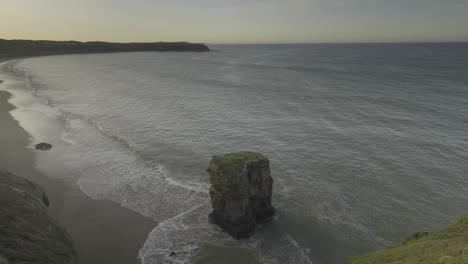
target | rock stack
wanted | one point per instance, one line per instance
(241, 188)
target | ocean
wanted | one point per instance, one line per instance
(368, 143)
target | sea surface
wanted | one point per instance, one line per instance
(368, 143)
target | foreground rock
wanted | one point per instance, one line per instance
(240, 192)
(27, 234)
(43, 146)
(448, 245)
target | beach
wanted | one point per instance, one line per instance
(102, 231)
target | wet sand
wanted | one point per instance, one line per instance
(102, 231)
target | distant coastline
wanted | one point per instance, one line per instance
(10, 49)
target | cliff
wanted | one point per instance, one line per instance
(27, 234)
(445, 246)
(28, 48)
(241, 189)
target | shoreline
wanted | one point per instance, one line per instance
(101, 230)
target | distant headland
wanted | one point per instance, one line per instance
(29, 48)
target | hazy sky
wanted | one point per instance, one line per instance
(236, 21)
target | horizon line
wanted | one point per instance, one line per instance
(314, 43)
(259, 43)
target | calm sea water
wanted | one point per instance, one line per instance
(367, 143)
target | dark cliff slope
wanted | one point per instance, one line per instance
(27, 234)
(26, 48)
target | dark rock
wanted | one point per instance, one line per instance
(27, 234)
(43, 146)
(417, 235)
(241, 188)
(46, 201)
(172, 254)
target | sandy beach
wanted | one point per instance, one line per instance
(102, 231)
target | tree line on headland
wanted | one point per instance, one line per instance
(29, 48)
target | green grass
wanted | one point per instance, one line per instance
(232, 164)
(446, 246)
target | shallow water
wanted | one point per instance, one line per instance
(367, 143)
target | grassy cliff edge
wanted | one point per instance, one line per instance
(232, 164)
(448, 245)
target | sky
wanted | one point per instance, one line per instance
(236, 21)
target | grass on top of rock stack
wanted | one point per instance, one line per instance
(448, 245)
(232, 164)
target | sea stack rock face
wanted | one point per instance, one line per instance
(241, 188)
